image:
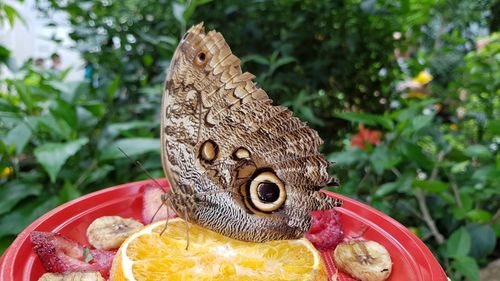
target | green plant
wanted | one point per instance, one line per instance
(8, 14)
(444, 173)
(51, 129)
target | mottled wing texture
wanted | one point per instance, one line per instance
(220, 132)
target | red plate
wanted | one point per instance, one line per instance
(412, 259)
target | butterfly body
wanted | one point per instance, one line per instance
(236, 164)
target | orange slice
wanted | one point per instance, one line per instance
(147, 255)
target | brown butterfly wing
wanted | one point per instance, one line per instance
(240, 165)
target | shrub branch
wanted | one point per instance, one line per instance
(420, 195)
(426, 216)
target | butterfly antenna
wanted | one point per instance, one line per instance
(144, 170)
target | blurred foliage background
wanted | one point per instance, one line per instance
(406, 95)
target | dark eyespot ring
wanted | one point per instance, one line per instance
(266, 192)
(200, 58)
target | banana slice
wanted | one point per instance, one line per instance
(364, 260)
(109, 232)
(72, 276)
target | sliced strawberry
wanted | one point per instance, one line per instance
(153, 208)
(326, 230)
(60, 254)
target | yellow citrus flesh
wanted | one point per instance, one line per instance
(147, 255)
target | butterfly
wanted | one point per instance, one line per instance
(236, 164)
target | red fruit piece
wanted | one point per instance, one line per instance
(326, 230)
(60, 254)
(153, 208)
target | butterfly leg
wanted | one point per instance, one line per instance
(184, 214)
(165, 198)
(187, 233)
(182, 203)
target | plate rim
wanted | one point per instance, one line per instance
(7, 260)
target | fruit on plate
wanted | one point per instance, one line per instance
(72, 276)
(152, 255)
(364, 260)
(59, 254)
(109, 232)
(326, 230)
(154, 209)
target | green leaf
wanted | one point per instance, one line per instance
(68, 90)
(4, 54)
(467, 266)
(192, 7)
(99, 173)
(131, 146)
(498, 161)
(386, 188)
(480, 216)
(255, 58)
(308, 115)
(10, 13)
(483, 240)
(486, 173)
(23, 93)
(9, 106)
(431, 186)
(57, 126)
(414, 152)
(384, 159)
(116, 128)
(147, 59)
(18, 136)
(68, 192)
(366, 118)
(460, 167)
(458, 245)
(478, 151)
(421, 121)
(402, 184)
(113, 87)
(496, 228)
(66, 112)
(5, 242)
(13, 192)
(347, 157)
(493, 127)
(459, 213)
(97, 109)
(15, 221)
(52, 156)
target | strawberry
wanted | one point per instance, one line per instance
(153, 208)
(60, 254)
(326, 230)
